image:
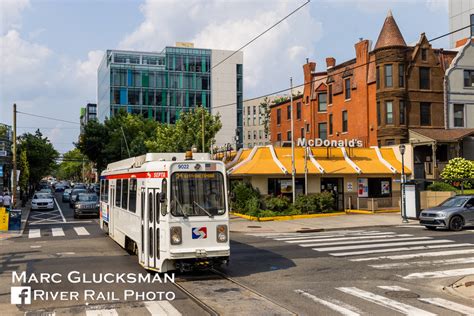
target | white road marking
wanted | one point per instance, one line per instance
(101, 312)
(380, 245)
(423, 263)
(393, 288)
(160, 308)
(385, 302)
(34, 233)
(365, 252)
(425, 254)
(411, 226)
(342, 310)
(60, 211)
(81, 231)
(324, 237)
(35, 246)
(57, 231)
(463, 309)
(357, 242)
(65, 253)
(439, 274)
(350, 238)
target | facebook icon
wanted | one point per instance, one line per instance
(20, 295)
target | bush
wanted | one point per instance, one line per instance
(251, 206)
(307, 203)
(325, 201)
(244, 196)
(441, 186)
(277, 204)
(457, 169)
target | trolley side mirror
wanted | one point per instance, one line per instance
(162, 197)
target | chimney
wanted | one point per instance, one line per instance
(308, 70)
(330, 62)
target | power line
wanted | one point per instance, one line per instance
(258, 36)
(48, 118)
(41, 127)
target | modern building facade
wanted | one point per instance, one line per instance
(162, 85)
(6, 140)
(88, 113)
(461, 14)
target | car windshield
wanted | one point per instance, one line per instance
(87, 197)
(455, 201)
(39, 196)
(67, 191)
(75, 192)
(197, 194)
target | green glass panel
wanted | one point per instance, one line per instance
(145, 79)
(194, 81)
(187, 63)
(181, 80)
(203, 62)
(187, 98)
(145, 100)
(204, 99)
(150, 114)
(178, 111)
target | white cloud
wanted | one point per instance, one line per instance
(436, 5)
(10, 13)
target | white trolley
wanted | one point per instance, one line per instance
(171, 209)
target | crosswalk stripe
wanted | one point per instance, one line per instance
(365, 252)
(321, 233)
(422, 263)
(101, 312)
(57, 231)
(160, 308)
(439, 274)
(380, 245)
(342, 310)
(332, 236)
(81, 231)
(349, 238)
(393, 288)
(34, 233)
(425, 254)
(466, 310)
(385, 302)
(363, 241)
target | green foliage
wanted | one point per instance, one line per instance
(40, 154)
(457, 169)
(3, 131)
(277, 204)
(280, 100)
(265, 110)
(315, 203)
(245, 197)
(325, 202)
(441, 186)
(73, 164)
(24, 168)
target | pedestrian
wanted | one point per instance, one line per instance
(7, 201)
(1, 199)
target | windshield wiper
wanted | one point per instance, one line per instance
(185, 215)
(202, 208)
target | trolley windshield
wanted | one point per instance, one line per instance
(197, 194)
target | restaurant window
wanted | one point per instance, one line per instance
(288, 112)
(344, 121)
(458, 115)
(330, 124)
(423, 54)
(468, 78)
(379, 187)
(401, 75)
(278, 116)
(322, 102)
(279, 137)
(322, 130)
(378, 113)
(330, 94)
(388, 75)
(425, 114)
(277, 187)
(424, 78)
(388, 112)
(298, 111)
(347, 88)
(288, 135)
(377, 77)
(403, 110)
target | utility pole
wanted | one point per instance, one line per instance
(126, 144)
(305, 167)
(14, 158)
(293, 171)
(203, 128)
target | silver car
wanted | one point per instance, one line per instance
(454, 213)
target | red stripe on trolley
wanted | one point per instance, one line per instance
(139, 175)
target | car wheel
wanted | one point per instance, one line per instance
(431, 227)
(456, 223)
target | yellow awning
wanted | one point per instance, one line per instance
(332, 160)
(261, 163)
(389, 155)
(284, 156)
(367, 160)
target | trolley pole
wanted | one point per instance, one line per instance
(14, 182)
(293, 171)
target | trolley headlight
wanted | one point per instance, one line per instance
(175, 235)
(221, 233)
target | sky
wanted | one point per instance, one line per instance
(50, 50)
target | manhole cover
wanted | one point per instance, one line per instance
(402, 294)
(254, 226)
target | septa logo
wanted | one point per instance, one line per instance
(20, 295)
(199, 232)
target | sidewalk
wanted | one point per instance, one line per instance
(241, 225)
(24, 217)
(463, 287)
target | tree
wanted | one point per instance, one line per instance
(73, 165)
(458, 169)
(40, 153)
(265, 110)
(24, 168)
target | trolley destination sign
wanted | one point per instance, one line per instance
(319, 142)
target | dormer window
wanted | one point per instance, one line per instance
(423, 54)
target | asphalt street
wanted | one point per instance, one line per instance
(371, 271)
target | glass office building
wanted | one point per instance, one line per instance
(161, 86)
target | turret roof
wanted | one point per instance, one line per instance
(390, 34)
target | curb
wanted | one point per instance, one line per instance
(285, 217)
(453, 288)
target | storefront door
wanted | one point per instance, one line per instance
(336, 187)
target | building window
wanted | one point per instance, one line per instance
(322, 102)
(390, 142)
(307, 99)
(249, 135)
(378, 113)
(307, 128)
(344, 121)
(330, 94)
(377, 77)
(423, 54)
(278, 116)
(402, 112)
(388, 75)
(401, 75)
(254, 134)
(302, 132)
(347, 88)
(425, 114)
(260, 132)
(388, 112)
(322, 130)
(288, 112)
(458, 115)
(468, 78)
(424, 78)
(298, 111)
(330, 124)
(254, 110)
(279, 137)
(288, 135)
(472, 25)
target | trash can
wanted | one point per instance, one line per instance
(14, 222)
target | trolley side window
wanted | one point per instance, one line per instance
(118, 193)
(132, 196)
(125, 194)
(150, 207)
(104, 190)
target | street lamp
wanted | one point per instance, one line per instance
(404, 208)
(293, 170)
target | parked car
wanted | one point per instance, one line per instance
(86, 204)
(66, 195)
(42, 201)
(454, 213)
(59, 187)
(73, 196)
